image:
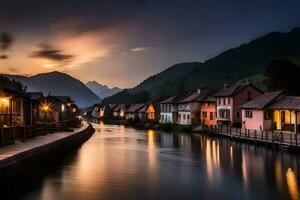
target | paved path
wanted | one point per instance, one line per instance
(19, 146)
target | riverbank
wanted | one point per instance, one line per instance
(24, 161)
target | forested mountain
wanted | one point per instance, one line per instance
(57, 83)
(248, 61)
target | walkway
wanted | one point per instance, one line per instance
(273, 137)
(20, 147)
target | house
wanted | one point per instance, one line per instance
(189, 108)
(208, 109)
(36, 98)
(152, 111)
(286, 114)
(132, 111)
(229, 100)
(169, 109)
(96, 112)
(256, 114)
(142, 113)
(58, 108)
(106, 111)
(12, 107)
(119, 111)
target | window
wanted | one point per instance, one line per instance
(169, 108)
(224, 101)
(204, 114)
(248, 114)
(268, 115)
(238, 114)
(184, 116)
(228, 101)
(219, 101)
(162, 117)
(211, 116)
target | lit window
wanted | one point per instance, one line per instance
(63, 107)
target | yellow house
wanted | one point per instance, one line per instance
(286, 114)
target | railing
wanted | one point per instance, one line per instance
(8, 135)
(274, 137)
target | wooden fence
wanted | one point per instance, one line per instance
(8, 135)
(273, 137)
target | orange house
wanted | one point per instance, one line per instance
(208, 111)
(150, 112)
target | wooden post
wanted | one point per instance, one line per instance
(255, 134)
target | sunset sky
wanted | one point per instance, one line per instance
(120, 43)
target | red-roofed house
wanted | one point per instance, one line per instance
(229, 100)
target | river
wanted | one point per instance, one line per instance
(125, 163)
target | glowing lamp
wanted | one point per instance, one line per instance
(74, 110)
(121, 114)
(68, 104)
(4, 100)
(63, 107)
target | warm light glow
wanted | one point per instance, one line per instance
(68, 104)
(63, 107)
(45, 107)
(4, 100)
(74, 110)
(292, 184)
(121, 114)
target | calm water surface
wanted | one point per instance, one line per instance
(124, 163)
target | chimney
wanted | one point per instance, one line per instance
(198, 91)
(226, 85)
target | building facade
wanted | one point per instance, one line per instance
(229, 100)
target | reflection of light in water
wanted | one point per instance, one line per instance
(244, 168)
(209, 160)
(212, 159)
(231, 155)
(152, 155)
(292, 184)
(278, 174)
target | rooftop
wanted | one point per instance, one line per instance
(263, 100)
(233, 90)
(135, 107)
(288, 103)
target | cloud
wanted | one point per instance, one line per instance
(139, 49)
(48, 52)
(3, 56)
(6, 40)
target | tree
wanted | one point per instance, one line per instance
(283, 75)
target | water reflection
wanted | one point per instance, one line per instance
(123, 163)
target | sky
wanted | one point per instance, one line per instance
(122, 42)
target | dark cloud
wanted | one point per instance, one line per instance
(48, 52)
(3, 57)
(6, 40)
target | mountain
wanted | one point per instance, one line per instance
(102, 90)
(57, 83)
(248, 61)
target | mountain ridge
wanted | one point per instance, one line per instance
(59, 83)
(235, 64)
(102, 90)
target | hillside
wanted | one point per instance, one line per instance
(102, 90)
(247, 61)
(57, 83)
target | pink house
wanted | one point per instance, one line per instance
(256, 114)
(229, 100)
